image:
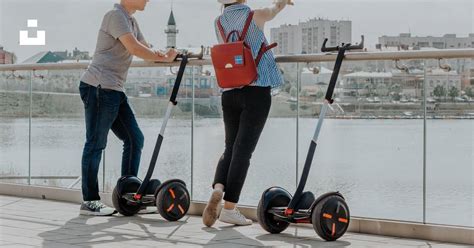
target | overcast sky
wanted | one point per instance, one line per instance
(74, 23)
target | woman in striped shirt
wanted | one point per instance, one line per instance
(245, 111)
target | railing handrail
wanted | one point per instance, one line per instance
(302, 58)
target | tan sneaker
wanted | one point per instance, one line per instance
(210, 214)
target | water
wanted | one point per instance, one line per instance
(376, 164)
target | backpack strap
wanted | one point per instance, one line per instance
(221, 29)
(263, 50)
(244, 31)
(247, 25)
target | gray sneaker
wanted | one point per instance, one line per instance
(96, 208)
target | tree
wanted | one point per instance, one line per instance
(287, 87)
(293, 91)
(319, 95)
(396, 96)
(397, 88)
(453, 92)
(14, 58)
(439, 91)
(469, 92)
(395, 92)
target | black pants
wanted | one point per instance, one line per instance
(245, 113)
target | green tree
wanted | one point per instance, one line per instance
(453, 92)
(287, 87)
(439, 91)
(395, 92)
(293, 91)
(396, 96)
(319, 95)
(469, 92)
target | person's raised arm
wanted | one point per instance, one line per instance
(266, 14)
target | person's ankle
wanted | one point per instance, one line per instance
(230, 206)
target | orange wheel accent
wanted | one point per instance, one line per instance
(327, 216)
(172, 193)
(170, 208)
(333, 229)
(343, 220)
(181, 209)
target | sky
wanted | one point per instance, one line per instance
(74, 23)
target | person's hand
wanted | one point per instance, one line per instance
(171, 54)
(288, 2)
(159, 53)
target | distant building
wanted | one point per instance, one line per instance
(314, 81)
(471, 78)
(171, 32)
(382, 84)
(308, 37)
(58, 56)
(406, 41)
(439, 77)
(43, 57)
(365, 84)
(75, 55)
(205, 84)
(6, 57)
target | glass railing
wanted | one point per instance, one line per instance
(398, 144)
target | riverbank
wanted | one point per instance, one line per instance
(68, 105)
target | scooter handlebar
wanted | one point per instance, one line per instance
(191, 55)
(346, 47)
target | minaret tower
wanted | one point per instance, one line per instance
(171, 31)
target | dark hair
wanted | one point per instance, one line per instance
(230, 4)
(237, 2)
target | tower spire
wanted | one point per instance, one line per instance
(171, 30)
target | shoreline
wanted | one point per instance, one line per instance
(16, 104)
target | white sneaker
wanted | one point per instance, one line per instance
(96, 208)
(234, 217)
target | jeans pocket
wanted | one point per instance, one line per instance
(84, 91)
(109, 99)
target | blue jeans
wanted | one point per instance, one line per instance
(107, 110)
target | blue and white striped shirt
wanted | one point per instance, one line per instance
(234, 18)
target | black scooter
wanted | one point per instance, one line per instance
(329, 213)
(171, 197)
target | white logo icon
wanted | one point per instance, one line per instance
(39, 40)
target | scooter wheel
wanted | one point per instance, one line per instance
(274, 197)
(124, 186)
(173, 201)
(331, 217)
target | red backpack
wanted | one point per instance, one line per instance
(233, 61)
